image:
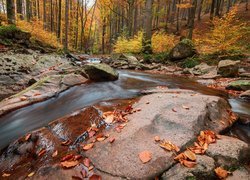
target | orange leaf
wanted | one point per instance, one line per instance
(86, 162)
(111, 140)
(31, 174)
(66, 143)
(27, 137)
(77, 157)
(95, 177)
(55, 153)
(221, 173)
(69, 164)
(6, 175)
(100, 139)
(88, 146)
(145, 156)
(67, 157)
(157, 138)
(190, 155)
(41, 152)
(188, 164)
(23, 98)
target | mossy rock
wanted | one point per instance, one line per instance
(240, 85)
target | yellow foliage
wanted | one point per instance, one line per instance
(224, 35)
(162, 42)
(37, 32)
(133, 45)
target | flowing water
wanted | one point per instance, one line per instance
(129, 85)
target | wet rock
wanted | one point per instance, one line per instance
(228, 68)
(229, 151)
(182, 50)
(245, 95)
(203, 170)
(202, 69)
(157, 118)
(100, 72)
(239, 85)
(45, 88)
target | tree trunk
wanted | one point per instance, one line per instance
(51, 16)
(148, 27)
(28, 10)
(217, 10)
(11, 11)
(59, 20)
(246, 5)
(66, 24)
(212, 9)
(19, 9)
(103, 35)
(200, 9)
(192, 17)
(44, 15)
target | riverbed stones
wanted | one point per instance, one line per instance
(43, 89)
(239, 85)
(182, 50)
(229, 151)
(177, 116)
(204, 169)
(228, 68)
(245, 95)
(100, 72)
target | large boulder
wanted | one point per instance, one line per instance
(202, 69)
(175, 115)
(125, 61)
(100, 72)
(182, 50)
(239, 85)
(228, 68)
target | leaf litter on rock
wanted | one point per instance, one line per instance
(145, 156)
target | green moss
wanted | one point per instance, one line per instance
(190, 62)
(190, 178)
(5, 31)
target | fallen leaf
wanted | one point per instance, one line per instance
(77, 157)
(69, 164)
(67, 157)
(23, 98)
(157, 138)
(55, 153)
(111, 140)
(148, 102)
(185, 107)
(91, 133)
(76, 177)
(91, 168)
(221, 173)
(27, 137)
(190, 155)
(118, 129)
(87, 147)
(108, 117)
(180, 157)
(86, 162)
(41, 152)
(95, 177)
(188, 164)
(66, 143)
(6, 175)
(174, 110)
(169, 146)
(31, 174)
(37, 94)
(145, 156)
(100, 139)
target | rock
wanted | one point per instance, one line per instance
(182, 50)
(43, 89)
(228, 68)
(245, 95)
(158, 119)
(229, 151)
(202, 69)
(100, 72)
(203, 170)
(239, 85)
(240, 173)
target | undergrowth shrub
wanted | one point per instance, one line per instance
(162, 42)
(37, 32)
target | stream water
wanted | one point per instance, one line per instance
(129, 85)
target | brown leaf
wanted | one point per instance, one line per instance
(221, 173)
(91, 133)
(86, 162)
(91, 168)
(190, 155)
(66, 143)
(109, 117)
(69, 164)
(157, 138)
(145, 156)
(111, 140)
(55, 153)
(41, 152)
(174, 110)
(67, 157)
(27, 137)
(180, 157)
(5, 175)
(87, 147)
(100, 139)
(169, 146)
(185, 107)
(188, 164)
(118, 129)
(95, 177)
(77, 157)
(23, 98)
(76, 177)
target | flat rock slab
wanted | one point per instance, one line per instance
(40, 91)
(177, 116)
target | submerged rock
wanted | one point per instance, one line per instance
(228, 68)
(239, 85)
(100, 72)
(182, 50)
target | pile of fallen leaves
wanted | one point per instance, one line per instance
(188, 157)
